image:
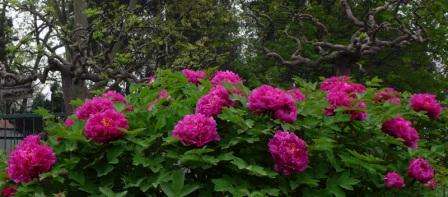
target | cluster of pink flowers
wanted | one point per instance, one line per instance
(275, 100)
(431, 184)
(402, 128)
(289, 153)
(163, 95)
(196, 130)
(114, 96)
(393, 180)
(106, 126)
(213, 102)
(194, 76)
(388, 95)
(200, 128)
(222, 77)
(427, 103)
(297, 94)
(29, 159)
(421, 170)
(93, 106)
(9, 191)
(343, 93)
(341, 83)
(69, 122)
(104, 123)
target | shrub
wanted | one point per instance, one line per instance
(331, 144)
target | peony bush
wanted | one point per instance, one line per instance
(194, 133)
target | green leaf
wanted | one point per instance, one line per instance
(77, 176)
(347, 182)
(177, 187)
(109, 193)
(113, 153)
(103, 169)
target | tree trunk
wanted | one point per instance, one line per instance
(72, 90)
(343, 69)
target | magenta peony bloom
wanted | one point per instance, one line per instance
(151, 80)
(212, 103)
(428, 103)
(289, 152)
(29, 159)
(69, 122)
(421, 170)
(222, 77)
(288, 114)
(402, 128)
(196, 130)
(164, 94)
(393, 180)
(341, 83)
(339, 99)
(431, 184)
(106, 126)
(275, 100)
(343, 93)
(194, 76)
(297, 94)
(9, 191)
(114, 96)
(358, 113)
(389, 95)
(93, 106)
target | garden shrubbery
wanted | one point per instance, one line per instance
(189, 134)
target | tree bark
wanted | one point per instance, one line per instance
(71, 88)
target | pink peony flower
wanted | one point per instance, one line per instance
(341, 83)
(428, 103)
(93, 106)
(297, 94)
(402, 128)
(431, 184)
(393, 180)
(275, 100)
(194, 76)
(114, 96)
(29, 159)
(151, 80)
(69, 122)
(389, 95)
(289, 152)
(343, 93)
(222, 77)
(164, 94)
(106, 126)
(9, 191)
(421, 170)
(331, 82)
(196, 130)
(358, 113)
(339, 99)
(212, 103)
(286, 114)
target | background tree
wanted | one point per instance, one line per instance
(324, 37)
(109, 44)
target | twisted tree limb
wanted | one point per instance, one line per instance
(364, 42)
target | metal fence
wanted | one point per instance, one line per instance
(14, 127)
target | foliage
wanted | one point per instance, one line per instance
(268, 21)
(345, 157)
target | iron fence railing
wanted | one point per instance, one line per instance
(15, 127)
